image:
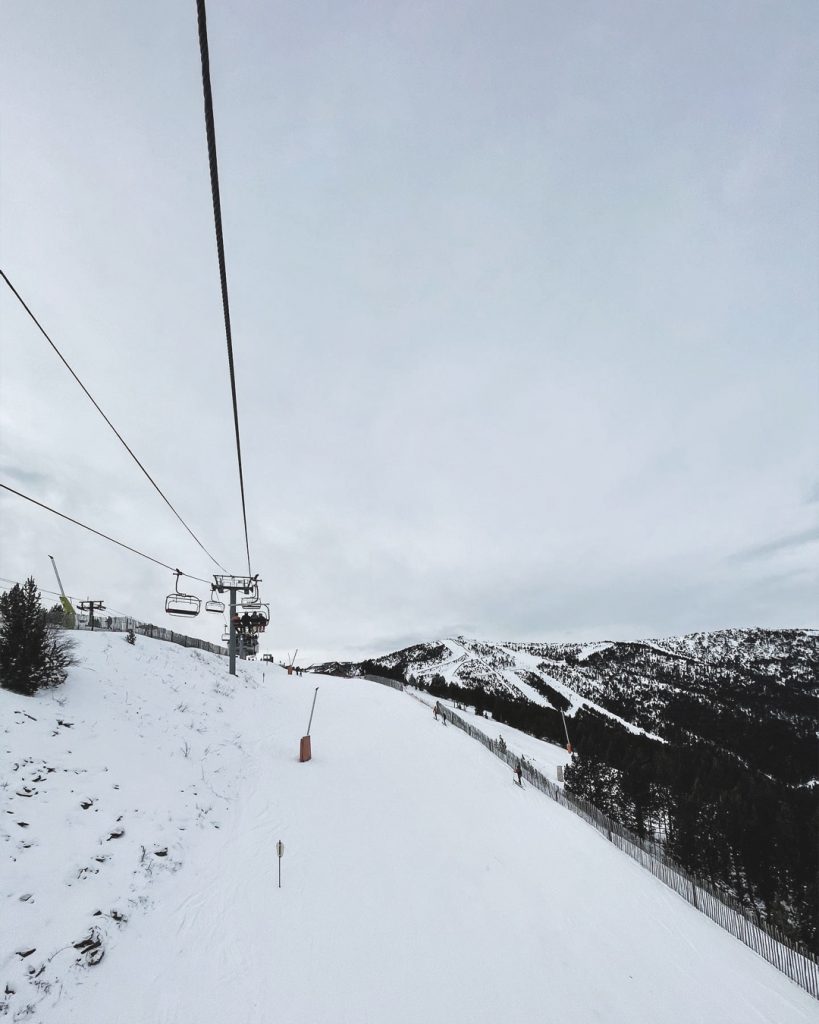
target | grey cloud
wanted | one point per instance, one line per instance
(524, 322)
(29, 477)
(793, 540)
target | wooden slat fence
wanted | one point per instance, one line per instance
(121, 624)
(396, 684)
(790, 957)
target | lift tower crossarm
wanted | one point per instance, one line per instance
(90, 607)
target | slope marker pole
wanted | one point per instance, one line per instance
(312, 709)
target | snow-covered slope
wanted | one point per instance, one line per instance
(418, 883)
(546, 757)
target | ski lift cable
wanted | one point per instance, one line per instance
(220, 243)
(56, 593)
(104, 536)
(16, 583)
(110, 424)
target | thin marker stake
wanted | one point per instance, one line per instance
(312, 709)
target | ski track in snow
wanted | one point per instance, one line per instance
(418, 883)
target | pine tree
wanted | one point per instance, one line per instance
(33, 653)
(55, 615)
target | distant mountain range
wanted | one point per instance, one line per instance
(706, 741)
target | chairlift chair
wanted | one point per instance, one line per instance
(177, 603)
(252, 621)
(251, 602)
(262, 617)
(214, 605)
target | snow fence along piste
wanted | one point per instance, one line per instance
(790, 957)
(396, 684)
(121, 624)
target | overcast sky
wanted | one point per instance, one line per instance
(524, 306)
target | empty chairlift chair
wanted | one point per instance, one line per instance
(214, 605)
(177, 603)
(251, 602)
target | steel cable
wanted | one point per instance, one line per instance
(220, 244)
(105, 536)
(110, 424)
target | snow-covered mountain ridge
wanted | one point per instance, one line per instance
(646, 685)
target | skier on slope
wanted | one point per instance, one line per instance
(519, 773)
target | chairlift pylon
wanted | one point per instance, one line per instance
(177, 603)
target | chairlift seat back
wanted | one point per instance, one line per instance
(182, 604)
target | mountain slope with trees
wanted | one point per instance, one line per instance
(706, 742)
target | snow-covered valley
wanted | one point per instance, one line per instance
(141, 807)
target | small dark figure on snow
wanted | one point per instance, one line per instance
(130, 637)
(519, 774)
(435, 711)
(109, 622)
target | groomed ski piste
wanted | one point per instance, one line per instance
(142, 804)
